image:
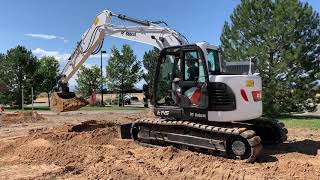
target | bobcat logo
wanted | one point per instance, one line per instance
(198, 115)
(128, 33)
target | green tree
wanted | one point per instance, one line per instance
(89, 79)
(282, 35)
(17, 72)
(3, 86)
(149, 62)
(47, 73)
(123, 70)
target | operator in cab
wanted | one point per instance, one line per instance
(192, 71)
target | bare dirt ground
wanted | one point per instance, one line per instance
(85, 145)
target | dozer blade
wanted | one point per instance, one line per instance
(63, 102)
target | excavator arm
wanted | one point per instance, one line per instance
(146, 32)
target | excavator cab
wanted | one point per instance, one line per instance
(190, 83)
(181, 82)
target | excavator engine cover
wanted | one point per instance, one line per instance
(63, 102)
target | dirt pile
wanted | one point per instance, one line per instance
(70, 148)
(20, 117)
(70, 104)
(92, 150)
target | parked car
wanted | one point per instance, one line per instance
(127, 100)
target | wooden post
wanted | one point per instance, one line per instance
(22, 98)
(32, 103)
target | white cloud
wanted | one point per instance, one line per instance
(144, 70)
(96, 56)
(72, 83)
(46, 36)
(88, 65)
(140, 84)
(42, 36)
(61, 57)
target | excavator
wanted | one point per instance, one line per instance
(197, 104)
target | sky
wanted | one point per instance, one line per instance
(52, 27)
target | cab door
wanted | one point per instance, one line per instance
(194, 79)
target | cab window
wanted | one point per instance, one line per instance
(194, 70)
(164, 83)
(213, 61)
(202, 77)
(191, 70)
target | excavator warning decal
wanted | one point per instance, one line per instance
(96, 21)
(249, 83)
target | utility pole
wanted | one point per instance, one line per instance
(102, 52)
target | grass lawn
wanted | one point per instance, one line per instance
(86, 108)
(36, 108)
(308, 122)
(95, 108)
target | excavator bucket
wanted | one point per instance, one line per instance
(63, 102)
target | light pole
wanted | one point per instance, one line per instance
(102, 52)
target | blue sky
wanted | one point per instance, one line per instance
(52, 27)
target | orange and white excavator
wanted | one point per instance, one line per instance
(197, 104)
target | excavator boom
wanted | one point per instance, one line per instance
(146, 32)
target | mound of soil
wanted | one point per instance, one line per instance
(91, 150)
(20, 117)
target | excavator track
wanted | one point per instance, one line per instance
(232, 142)
(271, 131)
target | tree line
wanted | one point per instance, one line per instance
(22, 71)
(124, 70)
(284, 36)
